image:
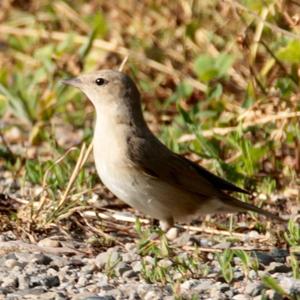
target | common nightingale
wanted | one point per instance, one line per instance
(140, 170)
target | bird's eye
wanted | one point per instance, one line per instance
(100, 81)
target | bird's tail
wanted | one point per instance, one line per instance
(243, 206)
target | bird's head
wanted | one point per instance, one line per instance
(108, 90)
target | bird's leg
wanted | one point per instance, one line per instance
(166, 224)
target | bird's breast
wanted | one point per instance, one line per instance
(150, 195)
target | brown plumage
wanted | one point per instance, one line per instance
(139, 169)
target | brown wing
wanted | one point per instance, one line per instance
(162, 163)
(217, 181)
(158, 161)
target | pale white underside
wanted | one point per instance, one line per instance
(152, 196)
(145, 193)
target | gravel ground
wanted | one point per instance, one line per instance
(47, 271)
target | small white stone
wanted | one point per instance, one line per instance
(47, 242)
(172, 233)
(10, 263)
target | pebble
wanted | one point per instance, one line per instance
(229, 294)
(48, 242)
(99, 298)
(252, 235)
(252, 274)
(111, 256)
(240, 297)
(205, 243)
(276, 267)
(10, 263)
(254, 288)
(238, 275)
(82, 281)
(23, 281)
(264, 258)
(89, 268)
(280, 255)
(137, 266)
(165, 263)
(222, 245)
(183, 239)
(21, 257)
(224, 287)
(9, 282)
(27, 294)
(189, 284)
(172, 233)
(42, 259)
(121, 268)
(290, 285)
(51, 281)
(59, 277)
(204, 285)
(272, 295)
(76, 263)
(130, 274)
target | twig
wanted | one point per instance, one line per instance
(218, 250)
(131, 219)
(83, 156)
(70, 212)
(280, 64)
(123, 63)
(258, 33)
(243, 126)
(44, 184)
(257, 80)
(220, 232)
(62, 8)
(99, 231)
(17, 246)
(295, 2)
(11, 154)
(267, 24)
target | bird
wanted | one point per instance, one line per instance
(139, 169)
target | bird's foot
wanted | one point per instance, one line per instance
(166, 224)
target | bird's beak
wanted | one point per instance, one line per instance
(76, 82)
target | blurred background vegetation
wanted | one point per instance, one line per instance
(219, 80)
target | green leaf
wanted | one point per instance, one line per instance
(164, 246)
(86, 48)
(248, 102)
(223, 63)
(208, 67)
(294, 263)
(290, 53)
(272, 283)
(224, 260)
(286, 86)
(191, 28)
(16, 103)
(204, 67)
(3, 105)
(256, 5)
(208, 149)
(33, 171)
(98, 22)
(215, 92)
(183, 91)
(244, 257)
(185, 115)
(44, 55)
(292, 235)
